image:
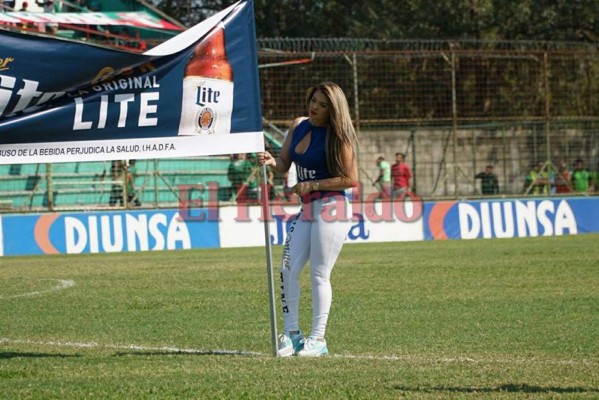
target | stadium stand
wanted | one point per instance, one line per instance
(126, 36)
(86, 185)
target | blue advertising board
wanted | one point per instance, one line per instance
(510, 218)
(106, 232)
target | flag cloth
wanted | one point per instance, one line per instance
(196, 94)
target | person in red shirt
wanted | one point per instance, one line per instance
(562, 179)
(401, 175)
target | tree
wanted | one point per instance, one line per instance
(556, 20)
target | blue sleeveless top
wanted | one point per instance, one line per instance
(312, 164)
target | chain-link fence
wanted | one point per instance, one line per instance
(453, 108)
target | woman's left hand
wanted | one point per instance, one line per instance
(265, 158)
(302, 188)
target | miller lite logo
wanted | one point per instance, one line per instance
(304, 174)
(207, 100)
(206, 119)
(207, 96)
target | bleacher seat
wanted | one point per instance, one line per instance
(88, 184)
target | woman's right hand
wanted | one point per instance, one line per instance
(267, 159)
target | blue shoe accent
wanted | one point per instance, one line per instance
(298, 341)
(290, 344)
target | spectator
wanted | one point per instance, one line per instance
(581, 178)
(125, 38)
(132, 196)
(93, 5)
(254, 178)
(595, 179)
(383, 182)
(239, 172)
(537, 180)
(48, 6)
(562, 178)
(116, 191)
(24, 8)
(489, 185)
(400, 172)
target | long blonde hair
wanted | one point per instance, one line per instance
(341, 131)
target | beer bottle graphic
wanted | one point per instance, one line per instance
(207, 102)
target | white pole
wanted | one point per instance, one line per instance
(271, 286)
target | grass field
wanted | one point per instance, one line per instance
(454, 319)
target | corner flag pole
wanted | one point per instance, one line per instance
(271, 287)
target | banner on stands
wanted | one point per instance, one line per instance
(195, 94)
(140, 19)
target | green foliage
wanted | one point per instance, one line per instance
(493, 81)
(505, 318)
(554, 20)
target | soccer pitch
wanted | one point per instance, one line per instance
(505, 318)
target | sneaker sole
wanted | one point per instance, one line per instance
(286, 352)
(304, 354)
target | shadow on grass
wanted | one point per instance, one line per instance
(12, 354)
(507, 388)
(188, 353)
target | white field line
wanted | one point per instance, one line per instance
(469, 360)
(400, 358)
(62, 284)
(161, 349)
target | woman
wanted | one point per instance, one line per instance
(323, 148)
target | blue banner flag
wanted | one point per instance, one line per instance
(195, 94)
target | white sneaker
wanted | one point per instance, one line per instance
(290, 344)
(314, 348)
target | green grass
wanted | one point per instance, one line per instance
(455, 319)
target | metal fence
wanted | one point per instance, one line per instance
(452, 107)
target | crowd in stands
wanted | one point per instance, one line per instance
(120, 35)
(123, 175)
(393, 181)
(50, 6)
(544, 178)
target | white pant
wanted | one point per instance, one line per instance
(316, 234)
